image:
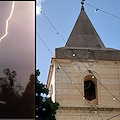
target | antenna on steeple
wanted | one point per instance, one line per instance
(82, 3)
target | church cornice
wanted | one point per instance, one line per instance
(90, 109)
(88, 63)
(86, 54)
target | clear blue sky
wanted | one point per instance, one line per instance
(63, 15)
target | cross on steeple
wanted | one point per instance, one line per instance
(84, 42)
(84, 33)
(82, 3)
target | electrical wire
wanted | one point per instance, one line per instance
(103, 11)
(56, 60)
(50, 22)
(44, 43)
(113, 116)
(62, 38)
(80, 61)
(71, 79)
(108, 91)
(76, 56)
(66, 72)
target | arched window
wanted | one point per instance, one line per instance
(89, 90)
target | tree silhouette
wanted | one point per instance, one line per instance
(45, 107)
(28, 98)
(14, 103)
(10, 94)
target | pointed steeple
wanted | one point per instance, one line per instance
(84, 34)
(84, 43)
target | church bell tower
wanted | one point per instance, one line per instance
(84, 76)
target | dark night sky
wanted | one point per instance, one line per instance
(17, 49)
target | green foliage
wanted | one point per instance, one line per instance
(45, 107)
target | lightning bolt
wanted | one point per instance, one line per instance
(6, 28)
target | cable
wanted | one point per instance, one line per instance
(50, 22)
(66, 72)
(76, 56)
(81, 62)
(56, 60)
(44, 43)
(113, 117)
(106, 89)
(72, 80)
(103, 11)
(62, 37)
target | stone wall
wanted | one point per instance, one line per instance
(69, 89)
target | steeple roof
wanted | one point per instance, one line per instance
(85, 43)
(84, 34)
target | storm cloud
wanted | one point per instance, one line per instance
(17, 49)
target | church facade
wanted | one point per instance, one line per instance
(84, 76)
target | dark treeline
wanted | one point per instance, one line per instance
(13, 102)
(45, 107)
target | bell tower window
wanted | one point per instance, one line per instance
(89, 90)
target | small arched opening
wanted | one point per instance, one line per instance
(90, 89)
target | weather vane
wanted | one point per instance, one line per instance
(82, 3)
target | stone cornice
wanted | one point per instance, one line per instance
(88, 63)
(86, 54)
(89, 109)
